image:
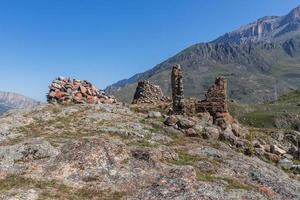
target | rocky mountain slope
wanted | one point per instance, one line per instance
(113, 152)
(3, 109)
(259, 63)
(10, 100)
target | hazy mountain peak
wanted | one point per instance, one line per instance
(13, 100)
(267, 28)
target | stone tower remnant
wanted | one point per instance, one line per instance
(147, 92)
(215, 102)
(177, 90)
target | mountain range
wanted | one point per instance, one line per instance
(260, 61)
(9, 100)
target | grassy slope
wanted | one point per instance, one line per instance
(264, 115)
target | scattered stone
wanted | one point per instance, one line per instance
(171, 120)
(236, 129)
(288, 156)
(147, 92)
(63, 91)
(154, 114)
(267, 148)
(191, 132)
(205, 118)
(285, 164)
(229, 137)
(272, 157)
(184, 123)
(177, 90)
(276, 150)
(211, 133)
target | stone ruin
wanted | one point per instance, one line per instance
(147, 92)
(215, 102)
(177, 90)
(64, 91)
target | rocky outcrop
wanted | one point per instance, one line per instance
(107, 151)
(147, 92)
(177, 90)
(63, 91)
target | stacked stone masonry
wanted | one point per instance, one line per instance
(147, 92)
(177, 90)
(215, 102)
(63, 91)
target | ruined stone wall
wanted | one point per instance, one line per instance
(147, 92)
(177, 90)
(215, 102)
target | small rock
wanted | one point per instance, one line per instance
(154, 114)
(288, 156)
(211, 133)
(276, 150)
(236, 129)
(272, 157)
(199, 128)
(171, 120)
(267, 148)
(228, 136)
(191, 132)
(185, 123)
(285, 164)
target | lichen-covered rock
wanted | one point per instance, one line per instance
(107, 151)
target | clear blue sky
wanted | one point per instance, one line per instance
(107, 40)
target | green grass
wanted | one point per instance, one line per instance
(265, 115)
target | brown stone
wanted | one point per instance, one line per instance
(64, 91)
(215, 103)
(147, 92)
(177, 90)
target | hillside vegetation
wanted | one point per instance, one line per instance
(283, 113)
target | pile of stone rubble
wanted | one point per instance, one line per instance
(66, 90)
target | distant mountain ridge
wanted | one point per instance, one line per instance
(9, 100)
(265, 29)
(260, 61)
